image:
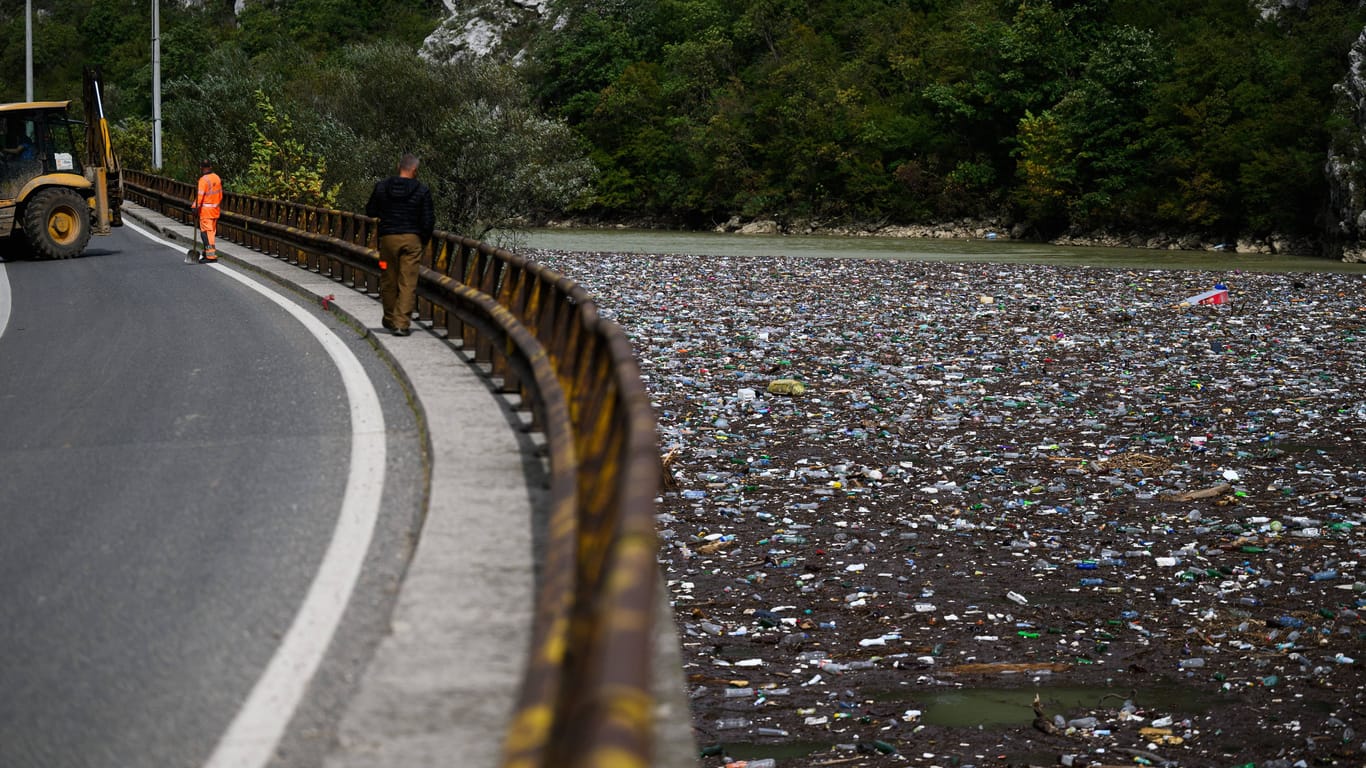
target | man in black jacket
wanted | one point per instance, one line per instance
(403, 206)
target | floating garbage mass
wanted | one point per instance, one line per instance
(889, 479)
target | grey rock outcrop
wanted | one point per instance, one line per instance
(1346, 164)
(1271, 8)
(485, 29)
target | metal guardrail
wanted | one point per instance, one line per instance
(586, 699)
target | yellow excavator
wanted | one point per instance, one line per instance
(57, 186)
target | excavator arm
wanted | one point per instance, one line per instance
(100, 158)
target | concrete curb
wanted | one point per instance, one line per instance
(443, 682)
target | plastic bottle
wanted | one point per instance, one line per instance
(731, 723)
(770, 732)
(1194, 663)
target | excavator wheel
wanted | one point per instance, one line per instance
(57, 223)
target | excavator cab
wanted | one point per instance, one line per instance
(50, 199)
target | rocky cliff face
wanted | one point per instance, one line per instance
(485, 28)
(1346, 165)
(1270, 8)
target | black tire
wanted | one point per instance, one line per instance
(57, 223)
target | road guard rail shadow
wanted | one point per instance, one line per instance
(586, 698)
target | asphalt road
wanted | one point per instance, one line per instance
(174, 451)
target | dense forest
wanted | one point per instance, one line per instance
(1058, 115)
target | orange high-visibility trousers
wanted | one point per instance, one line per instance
(208, 230)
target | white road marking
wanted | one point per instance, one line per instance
(251, 739)
(4, 300)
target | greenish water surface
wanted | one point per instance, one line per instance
(916, 249)
(974, 707)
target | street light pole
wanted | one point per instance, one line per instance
(28, 50)
(156, 85)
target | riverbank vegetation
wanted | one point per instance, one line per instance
(1055, 115)
(1122, 114)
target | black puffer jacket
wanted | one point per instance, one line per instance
(403, 207)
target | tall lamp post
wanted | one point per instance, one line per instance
(28, 50)
(156, 85)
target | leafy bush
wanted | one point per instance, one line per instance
(131, 138)
(491, 158)
(281, 167)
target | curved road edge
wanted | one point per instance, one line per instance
(255, 732)
(445, 679)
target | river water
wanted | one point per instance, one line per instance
(916, 249)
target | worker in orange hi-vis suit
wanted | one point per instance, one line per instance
(207, 204)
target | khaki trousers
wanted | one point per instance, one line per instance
(398, 285)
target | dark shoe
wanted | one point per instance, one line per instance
(208, 260)
(403, 331)
(387, 325)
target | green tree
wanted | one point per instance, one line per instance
(281, 167)
(1083, 161)
(210, 117)
(320, 27)
(1045, 169)
(636, 151)
(571, 63)
(132, 139)
(491, 157)
(1241, 124)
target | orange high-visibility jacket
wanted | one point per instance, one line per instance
(210, 196)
